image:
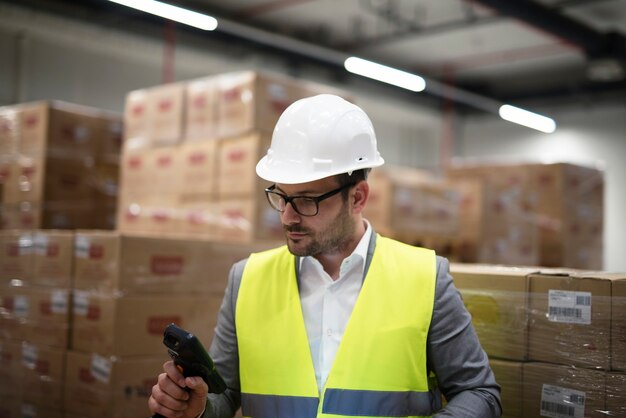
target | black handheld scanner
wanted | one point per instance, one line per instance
(191, 358)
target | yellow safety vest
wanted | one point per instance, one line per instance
(380, 366)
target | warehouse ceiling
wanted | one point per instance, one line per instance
(508, 50)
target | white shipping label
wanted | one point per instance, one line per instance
(20, 306)
(29, 355)
(59, 302)
(569, 307)
(101, 368)
(558, 402)
(40, 244)
(81, 302)
(81, 246)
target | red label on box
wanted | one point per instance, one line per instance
(5, 173)
(96, 251)
(164, 161)
(156, 324)
(199, 101)
(137, 110)
(231, 94)
(42, 367)
(53, 249)
(134, 162)
(93, 313)
(45, 308)
(85, 376)
(197, 158)
(165, 105)
(31, 120)
(8, 303)
(163, 265)
(13, 249)
(236, 155)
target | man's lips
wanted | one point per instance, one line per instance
(295, 235)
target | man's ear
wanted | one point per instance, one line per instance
(360, 196)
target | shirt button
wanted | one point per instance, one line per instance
(329, 332)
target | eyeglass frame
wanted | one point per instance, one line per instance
(316, 199)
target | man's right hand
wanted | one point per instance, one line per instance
(175, 396)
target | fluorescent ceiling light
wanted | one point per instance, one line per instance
(188, 17)
(385, 74)
(526, 118)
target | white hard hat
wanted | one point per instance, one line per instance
(318, 137)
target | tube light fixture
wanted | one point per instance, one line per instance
(526, 118)
(168, 11)
(385, 74)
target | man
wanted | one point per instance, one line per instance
(340, 321)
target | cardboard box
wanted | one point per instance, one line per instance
(35, 314)
(16, 255)
(153, 117)
(497, 299)
(562, 202)
(109, 387)
(251, 101)
(249, 220)
(9, 133)
(201, 122)
(199, 220)
(11, 407)
(43, 375)
(616, 394)
(618, 323)
(560, 391)
(237, 159)
(407, 201)
(509, 377)
(109, 261)
(197, 168)
(166, 109)
(15, 308)
(10, 377)
(48, 180)
(570, 318)
(135, 182)
(132, 325)
(53, 257)
(136, 121)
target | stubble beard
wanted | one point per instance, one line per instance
(331, 239)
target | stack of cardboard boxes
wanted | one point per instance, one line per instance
(59, 166)
(530, 214)
(413, 206)
(190, 151)
(554, 337)
(82, 316)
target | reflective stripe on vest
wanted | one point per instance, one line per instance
(375, 374)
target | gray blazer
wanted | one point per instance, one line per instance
(454, 353)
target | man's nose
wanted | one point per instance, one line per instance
(289, 215)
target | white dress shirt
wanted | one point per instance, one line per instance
(327, 304)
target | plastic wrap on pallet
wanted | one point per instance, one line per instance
(122, 325)
(36, 314)
(100, 386)
(565, 332)
(138, 264)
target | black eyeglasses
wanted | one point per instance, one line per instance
(303, 205)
